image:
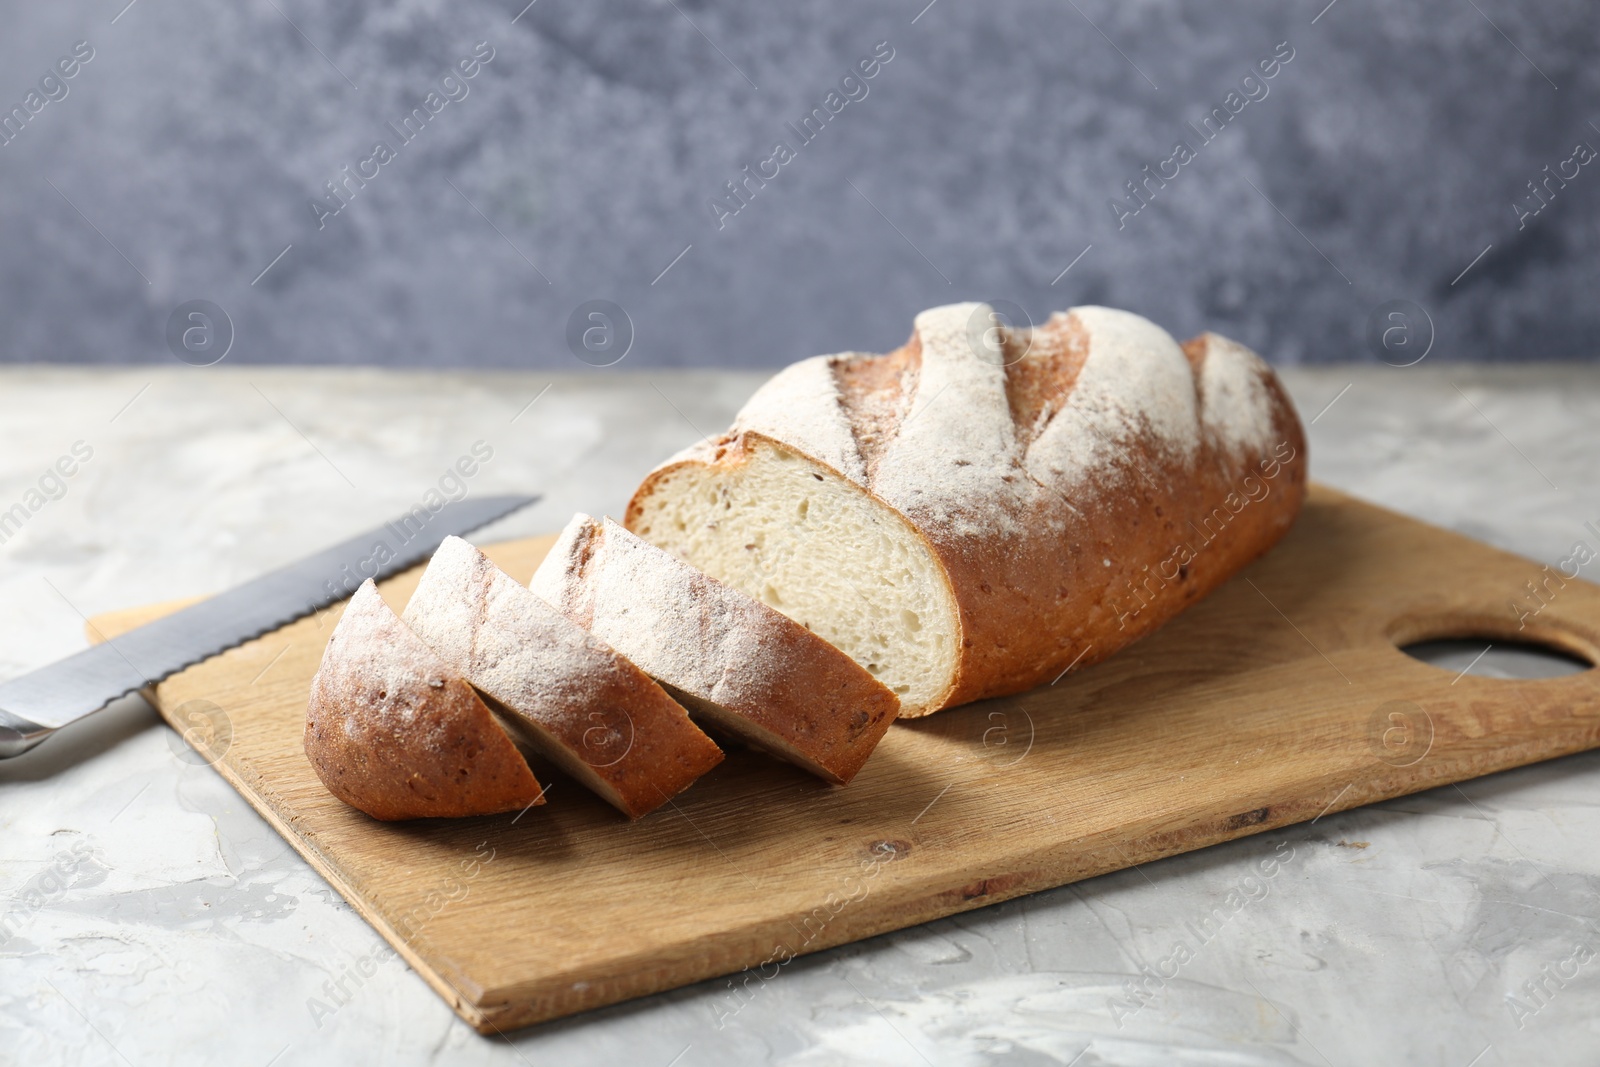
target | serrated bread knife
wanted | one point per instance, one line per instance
(38, 704)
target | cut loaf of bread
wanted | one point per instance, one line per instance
(573, 697)
(982, 509)
(742, 666)
(393, 731)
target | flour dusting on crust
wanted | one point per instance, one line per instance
(394, 731)
(954, 462)
(675, 622)
(572, 696)
(1136, 384)
(800, 405)
(502, 637)
(1235, 404)
(749, 668)
(405, 673)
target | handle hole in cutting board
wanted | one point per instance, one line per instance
(1496, 657)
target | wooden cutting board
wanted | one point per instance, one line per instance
(1278, 699)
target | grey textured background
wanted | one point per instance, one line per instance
(1386, 157)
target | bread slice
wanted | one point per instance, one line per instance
(734, 661)
(575, 699)
(395, 732)
(986, 508)
(816, 546)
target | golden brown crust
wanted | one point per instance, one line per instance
(1051, 568)
(752, 670)
(393, 732)
(1030, 611)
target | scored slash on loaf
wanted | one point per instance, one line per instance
(966, 517)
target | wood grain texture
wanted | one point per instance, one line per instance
(1278, 699)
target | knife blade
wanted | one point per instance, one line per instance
(36, 705)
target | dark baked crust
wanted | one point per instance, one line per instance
(393, 732)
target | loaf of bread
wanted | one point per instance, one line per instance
(740, 665)
(393, 731)
(982, 509)
(574, 698)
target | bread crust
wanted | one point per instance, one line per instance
(1079, 491)
(394, 732)
(749, 668)
(569, 694)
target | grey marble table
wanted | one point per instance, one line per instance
(149, 917)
